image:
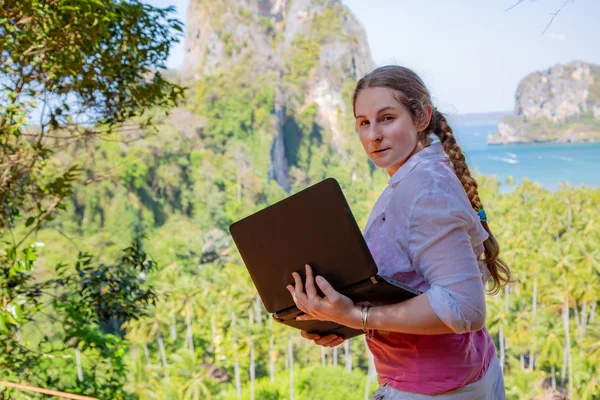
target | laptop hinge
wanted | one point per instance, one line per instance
(374, 280)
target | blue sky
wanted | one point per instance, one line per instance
(470, 53)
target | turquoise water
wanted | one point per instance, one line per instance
(549, 164)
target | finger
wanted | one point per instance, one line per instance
(326, 339)
(298, 303)
(298, 285)
(306, 317)
(336, 342)
(311, 290)
(326, 288)
(290, 289)
(301, 297)
(310, 336)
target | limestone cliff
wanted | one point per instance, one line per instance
(310, 51)
(561, 104)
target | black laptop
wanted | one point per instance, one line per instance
(315, 227)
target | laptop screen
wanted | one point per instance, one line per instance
(314, 226)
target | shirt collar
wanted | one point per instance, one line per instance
(431, 152)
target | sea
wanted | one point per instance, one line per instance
(549, 164)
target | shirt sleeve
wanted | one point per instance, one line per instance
(440, 250)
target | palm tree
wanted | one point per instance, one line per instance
(148, 329)
(522, 383)
(271, 350)
(348, 356)
(190, 378)
(552, 349)
(186, 299)
(238, 383)
(370, 372)
(291, 365)
(495, 323)
(143, 382)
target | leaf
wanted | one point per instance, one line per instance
(11, 253)
(31, 255)
(29, 221)
(18, 313)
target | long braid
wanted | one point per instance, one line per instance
(439, 126)
(444, 132)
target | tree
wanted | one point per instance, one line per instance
(552, 349)
(84, 299)
(84, 67)
(70, 71)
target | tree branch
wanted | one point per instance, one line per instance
(565, 2)
(50, 209)
(514, 5)
(556, 13)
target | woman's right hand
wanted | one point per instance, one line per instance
(331, 340)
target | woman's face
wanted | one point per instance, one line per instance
(386, 128)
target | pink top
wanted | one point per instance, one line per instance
(423, 231)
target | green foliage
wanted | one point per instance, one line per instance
(104, 55)
(80, 62)
(329, 23)
(245, 14)
(310, 383)
(574, 127)
(235, 108)
(317, 382)
(302, 137)
(304, 50)
(16, 289)
(110, 294)
(303, 58)
(85, 67)
(89, 303)
(135, 169)
(267, 26)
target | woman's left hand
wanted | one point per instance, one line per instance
(333, 307)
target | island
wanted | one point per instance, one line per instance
(560, 104)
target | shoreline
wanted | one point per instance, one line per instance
(521, 142)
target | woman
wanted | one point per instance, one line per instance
(429, 230)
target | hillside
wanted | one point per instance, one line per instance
(302, 57)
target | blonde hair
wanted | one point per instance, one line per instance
(411, 91)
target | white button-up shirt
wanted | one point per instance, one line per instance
(423, 231)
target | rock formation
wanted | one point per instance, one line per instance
(310, 51)
(561, 104)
